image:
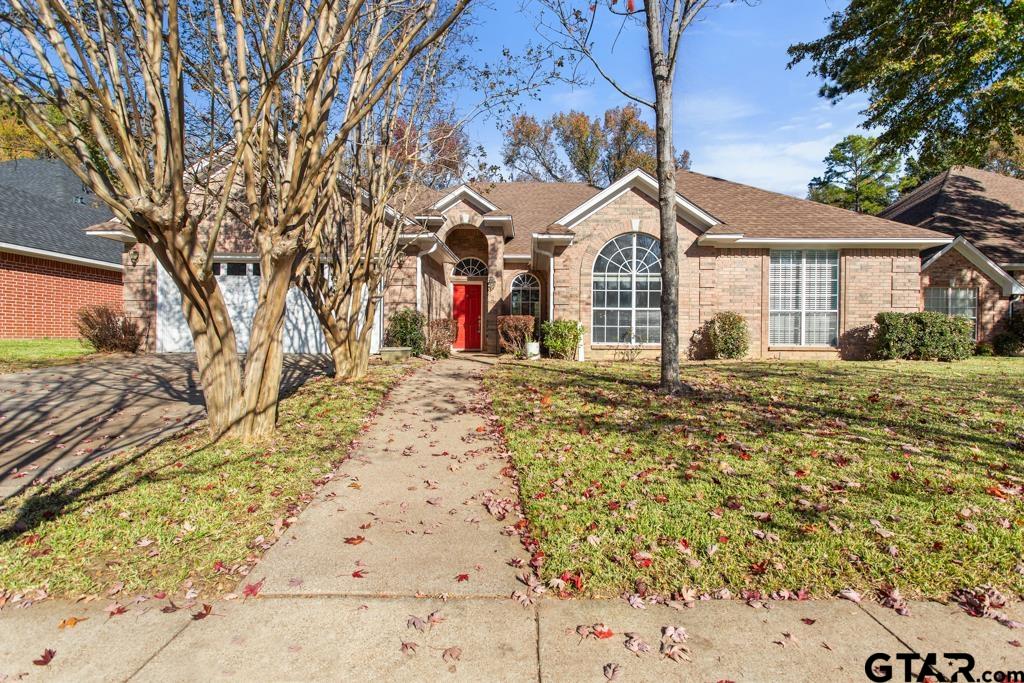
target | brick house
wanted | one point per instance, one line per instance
(980, 274)
(49, 268)
(807, 277)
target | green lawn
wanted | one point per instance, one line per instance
(187, 512)
(784, 475)
(25, 354)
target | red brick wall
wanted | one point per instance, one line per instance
(39, 297)
(953, 270)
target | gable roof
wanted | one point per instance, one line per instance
(1009, 285)
(757, 213)
(987, 208)
(533, 205)
(44, 208)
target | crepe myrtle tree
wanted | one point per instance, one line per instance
(570, 24)
(410, 143)
(184, 115)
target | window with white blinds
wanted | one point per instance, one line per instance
(803, 298)
(961, 301)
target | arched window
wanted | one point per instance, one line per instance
(525, 299)
(470, 267)
(627, 291)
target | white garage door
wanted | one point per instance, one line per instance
(302, 332)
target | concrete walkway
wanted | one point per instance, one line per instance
(414, 492)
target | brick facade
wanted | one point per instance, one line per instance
(40, 297)
(710, 280)
(953, 270)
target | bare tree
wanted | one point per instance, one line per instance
(291, 79)
(570, 26)
(411, 142)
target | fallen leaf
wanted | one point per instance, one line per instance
(71, 622)
(115, 609)
(409, 648)
(359, 574)
(462, 577)
(203, 613)
(354, 540)
(611, 671)
(808, 621)
(850, 594)
(45, 658)
(251, 590)
(451, 654)
(602, 632)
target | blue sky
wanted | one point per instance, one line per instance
(739, 111)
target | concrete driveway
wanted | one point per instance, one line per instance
(54, 419)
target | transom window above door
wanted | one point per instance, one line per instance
(627, 291)
(470, 267)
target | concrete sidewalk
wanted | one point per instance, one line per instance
(414, 494)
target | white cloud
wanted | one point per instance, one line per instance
(824, 126)
(779, 166)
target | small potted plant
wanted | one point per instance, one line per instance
(532, 349)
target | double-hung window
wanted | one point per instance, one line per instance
(961, 301)
(803, 298)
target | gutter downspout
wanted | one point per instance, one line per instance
(419, 275)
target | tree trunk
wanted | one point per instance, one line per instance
(669, 236)
(213, 335)
(351, 353)
(265, 359)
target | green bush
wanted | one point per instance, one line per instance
(924, 335)
(727, 335)
(984, 349)
(405, 328)
(562, 337)
(1010, 342)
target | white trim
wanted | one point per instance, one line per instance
(460, 191)
(517, 257)
(434, 242)
(116, 235)
(551, 289)
(63, 258)
(1009, 285)
(1013, 266)
(739, 241)
(640, 179)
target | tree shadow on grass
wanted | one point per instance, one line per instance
(88, 482)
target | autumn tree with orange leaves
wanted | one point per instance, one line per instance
(572, 146)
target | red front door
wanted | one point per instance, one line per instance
(467, 310)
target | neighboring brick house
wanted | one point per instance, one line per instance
(808, 278)
(981, 273)
(49, 268)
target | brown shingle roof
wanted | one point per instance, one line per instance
(986, 208)
(533, 206)
(760, 213)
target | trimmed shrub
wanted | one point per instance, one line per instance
(562, 338)
(514, 331)
(1010, 342)
(405, 328)
(440, 337)
(727, 335)
(984, 349)
(106, 329)
(924, 335)
(1007, 344)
